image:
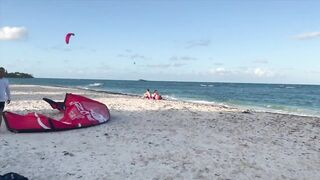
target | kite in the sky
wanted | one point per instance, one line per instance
(68, 37)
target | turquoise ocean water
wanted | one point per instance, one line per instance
(284, 98)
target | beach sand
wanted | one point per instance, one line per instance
(147, 139)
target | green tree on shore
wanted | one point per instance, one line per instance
(18, 75)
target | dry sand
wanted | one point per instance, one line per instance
(148, 139)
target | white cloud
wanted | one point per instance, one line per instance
(187, 58)
(158, 65)
(122, 55)
(94, 71)
(261, 61)
(220, 71)
(262, 72)
(162, 66)
(183, 58)
(307, 35)
(138, 56)
(192, 44)
(218, 64)
(243, 71)
(133, 56)
(178, 64)
(12, 33)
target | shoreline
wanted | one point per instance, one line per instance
(231, 106)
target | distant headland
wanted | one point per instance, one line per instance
(18, 75)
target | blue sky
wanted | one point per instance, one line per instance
(219, 41)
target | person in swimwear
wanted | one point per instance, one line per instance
(147, 94)
(156, 95)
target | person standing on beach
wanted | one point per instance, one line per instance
(4, 92)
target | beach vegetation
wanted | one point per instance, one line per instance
(18, 75)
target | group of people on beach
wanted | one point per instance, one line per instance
(4, 92)
(155, 95)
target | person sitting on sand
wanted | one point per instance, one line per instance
(156, 95)
(4, 92)
(147, 94)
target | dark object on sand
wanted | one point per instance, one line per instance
(248, 111)
(12, 176)
(55, 105)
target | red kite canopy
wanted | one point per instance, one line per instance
(68, 37)
(79, 112)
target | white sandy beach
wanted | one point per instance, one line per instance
(148, 139)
